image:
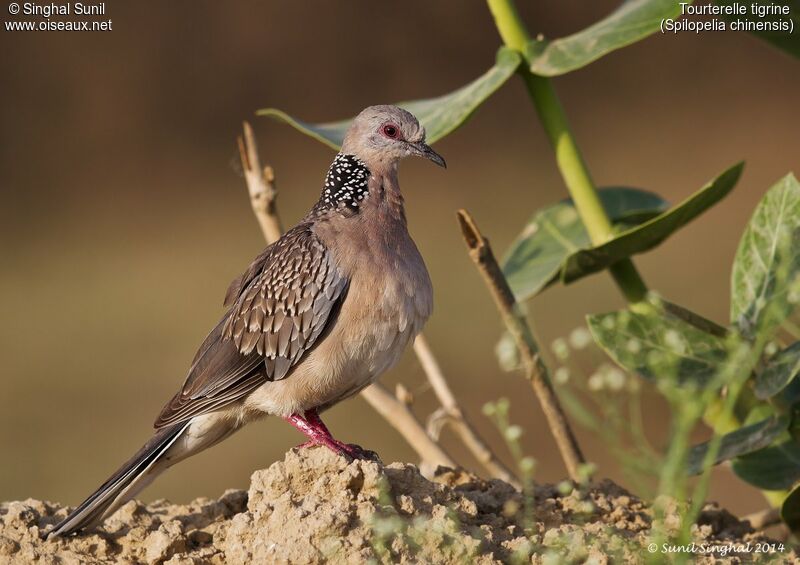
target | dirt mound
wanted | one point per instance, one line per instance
(314, 506)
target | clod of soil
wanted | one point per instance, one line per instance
(313, 506)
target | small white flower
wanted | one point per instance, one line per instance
(561, 375)
(615, 379)
(565, 487)
(513, 433)
(527, 464)
(502, 405)
(674, 340)
(634, 345)
(560, 348)
(580, 338)
(596, 382)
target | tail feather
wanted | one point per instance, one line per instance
(123, 485)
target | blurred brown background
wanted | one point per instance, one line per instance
(124, 216)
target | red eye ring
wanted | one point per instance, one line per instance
(391, 131)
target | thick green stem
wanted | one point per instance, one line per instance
(629, 281)
(509, 24)
(568, 156)
(579, 182)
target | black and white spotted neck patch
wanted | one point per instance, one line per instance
(345, 183)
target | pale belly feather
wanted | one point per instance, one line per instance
(369, 337)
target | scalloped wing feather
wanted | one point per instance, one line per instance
(280, 307)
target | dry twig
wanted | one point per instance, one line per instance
(402, 418)
(261, 186)
(481, 254)
(453, 415)
(764, 518)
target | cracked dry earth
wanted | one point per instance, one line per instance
(314, 507)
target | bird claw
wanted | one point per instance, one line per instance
(358, 452)
(350, 451)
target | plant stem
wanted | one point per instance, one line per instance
(535, 370)
(455, 416)
(584, 194)
(568, 156)
(404, 421)
(509, 24)
(261, 185)
(763, 519)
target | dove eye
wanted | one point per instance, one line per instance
(390, 131)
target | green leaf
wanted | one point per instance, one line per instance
(440, 116)
(650, 234)
(779, 371)
(553, 233)
(790, 395)
(658, 345)
(632, 21)
(739, 442)
(773, 468)
(790, 510)
(789, 42)
(768, 261)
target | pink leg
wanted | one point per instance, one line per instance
(317, 432)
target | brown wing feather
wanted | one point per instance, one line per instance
(284, 307)
(239, 283)
(280, 306)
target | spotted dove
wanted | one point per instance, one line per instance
(314, 319)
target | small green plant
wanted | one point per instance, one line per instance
(740, 378)
(393, 532)
(498, 412)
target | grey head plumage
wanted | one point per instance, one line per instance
(378, 138)
(382, 135)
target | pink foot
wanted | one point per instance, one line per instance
(312, 426)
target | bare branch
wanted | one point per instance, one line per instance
(481, 254)
(399, 415)
(260, 185)
(455, 416)
(764, 518)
